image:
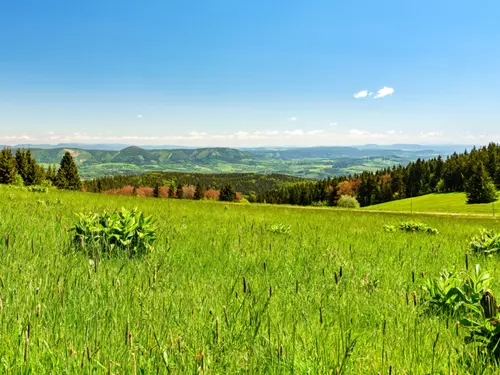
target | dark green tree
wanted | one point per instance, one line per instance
(156, 191)
(51, 174)
(480, 187)
(227, 193)
(22, 164)
(171, 191)
(8, 166)
(67, 175)
(179, 192)
(35, 173)
(199, 192)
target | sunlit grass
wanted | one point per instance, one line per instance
(224, 293)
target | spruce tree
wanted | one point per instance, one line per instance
(8, 167)
(67, 175)
(227, 193)
(34, 174)
(179, 193)
(51, 174)
(22, 164)
(480, 187)
(199, 192)
(156, 191)
(171, 192)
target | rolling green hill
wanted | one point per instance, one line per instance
(311, 163)
(442, 203)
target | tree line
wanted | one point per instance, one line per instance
(245, 183)
(476, 172)
(22, 169)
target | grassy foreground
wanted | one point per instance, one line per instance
(228, 295)
(447, 203)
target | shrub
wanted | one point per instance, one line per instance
(414, 226)
(38, 189)
(457, 293)
(487, 242)
(18, 180)
(319, 204)
(347, 201)
(111, 232)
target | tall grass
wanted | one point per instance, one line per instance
(220, 293)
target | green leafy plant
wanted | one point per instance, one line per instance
(38, 189)
(110, 232)
(487, 242)
(456, 293)
(280, 228)
(485, 330)
(389, 228)
(414, 226)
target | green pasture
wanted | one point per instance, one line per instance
(223, 292)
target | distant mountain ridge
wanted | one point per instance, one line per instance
(303, 162)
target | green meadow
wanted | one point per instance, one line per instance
(454, 203)
(225, 292)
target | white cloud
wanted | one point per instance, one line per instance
(315, 132)
(361, 94)
(384, 91)
(139, 116)
(23, 137)
(293, 132)
(333, 124)
(431, 134)
(292, 119)
(358, 132)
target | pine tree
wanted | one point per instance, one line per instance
(34, 173)
(171, 192)
(179, 193)
(51, 174)
(227, 193)
(480, 187)
(67, 175)
(156, 191)
(22, 164)
(199, 192)
(8, 167)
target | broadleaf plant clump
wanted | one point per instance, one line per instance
(412, 226)
(118, 232)
(487, 242)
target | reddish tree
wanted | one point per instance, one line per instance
(348, 187)
(212, 194)
(188, 192)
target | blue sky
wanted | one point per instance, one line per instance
(232, 73)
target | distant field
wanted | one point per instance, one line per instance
(450, 202)
(295, 314)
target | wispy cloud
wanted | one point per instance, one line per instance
(292, 119)
(361, 94)
(384, 91)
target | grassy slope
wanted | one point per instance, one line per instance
(450, 203)
(203, 252)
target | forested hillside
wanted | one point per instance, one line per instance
(477, 169)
